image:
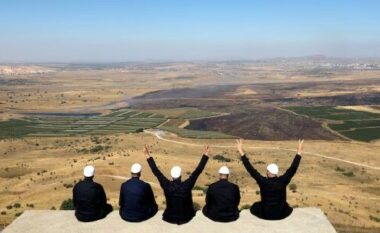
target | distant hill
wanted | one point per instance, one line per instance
(24, 69)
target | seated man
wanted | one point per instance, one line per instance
(89, 198)
(273, 205)
(136, 199)
(222, 199)
(179, 201)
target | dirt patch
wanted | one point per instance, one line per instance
(243, 91)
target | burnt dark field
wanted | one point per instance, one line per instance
(276, 111)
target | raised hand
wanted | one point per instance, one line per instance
(146, 151)
(299, 148)
(207, 150)
(239, 146)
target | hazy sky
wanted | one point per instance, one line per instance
(136, 30)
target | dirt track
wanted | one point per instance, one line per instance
(159, 136)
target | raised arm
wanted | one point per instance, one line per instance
(294, 166)
(198, 170)
(152, 164)
(248, 166)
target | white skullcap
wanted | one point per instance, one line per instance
(175, 172)
(224, 170)
(89, 171)
(273, 168)
(136, 168)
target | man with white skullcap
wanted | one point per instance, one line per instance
(89, 198)
(273, 205)
(222, 199)
(136, 199)
(179, 200)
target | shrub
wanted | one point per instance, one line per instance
(96, 149)
(17, 205)
(18, 214)
(293, 187)
(246, 206)
(196, 206)
(67, 204)
(139, 130)
(3, 213)
(259, 162)
(203, 189)
(9, 207)
(349, 174)
(373, 218)
(339, 169)
(68, 185)
(221, 158)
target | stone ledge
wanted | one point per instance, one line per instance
(308, 220)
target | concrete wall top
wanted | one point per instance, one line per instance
(310, 220)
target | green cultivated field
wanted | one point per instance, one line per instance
(119, 121)
(357, 125)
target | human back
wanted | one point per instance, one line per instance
(136, 201)
(178, 195)
(179, 200)
(222, 200)
(89, 198)
(273, 198)
(273, 204)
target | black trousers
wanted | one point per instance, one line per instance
(257, 210)
(148, 215)
(90, 218)
(106, 210)
(230, 218)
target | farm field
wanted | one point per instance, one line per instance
(119, 121)
(356, 125)
(42, 153)
(124, 120)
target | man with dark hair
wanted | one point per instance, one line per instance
(222, 199)
(273, 205)
(179, 201)
(89, 198)
(136, 199)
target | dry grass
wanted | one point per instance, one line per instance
(36, 170)
(44, 169)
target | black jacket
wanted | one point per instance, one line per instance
(222, 201)
(273, 190)
(136, 200)
(179, 201)
(89, 200)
